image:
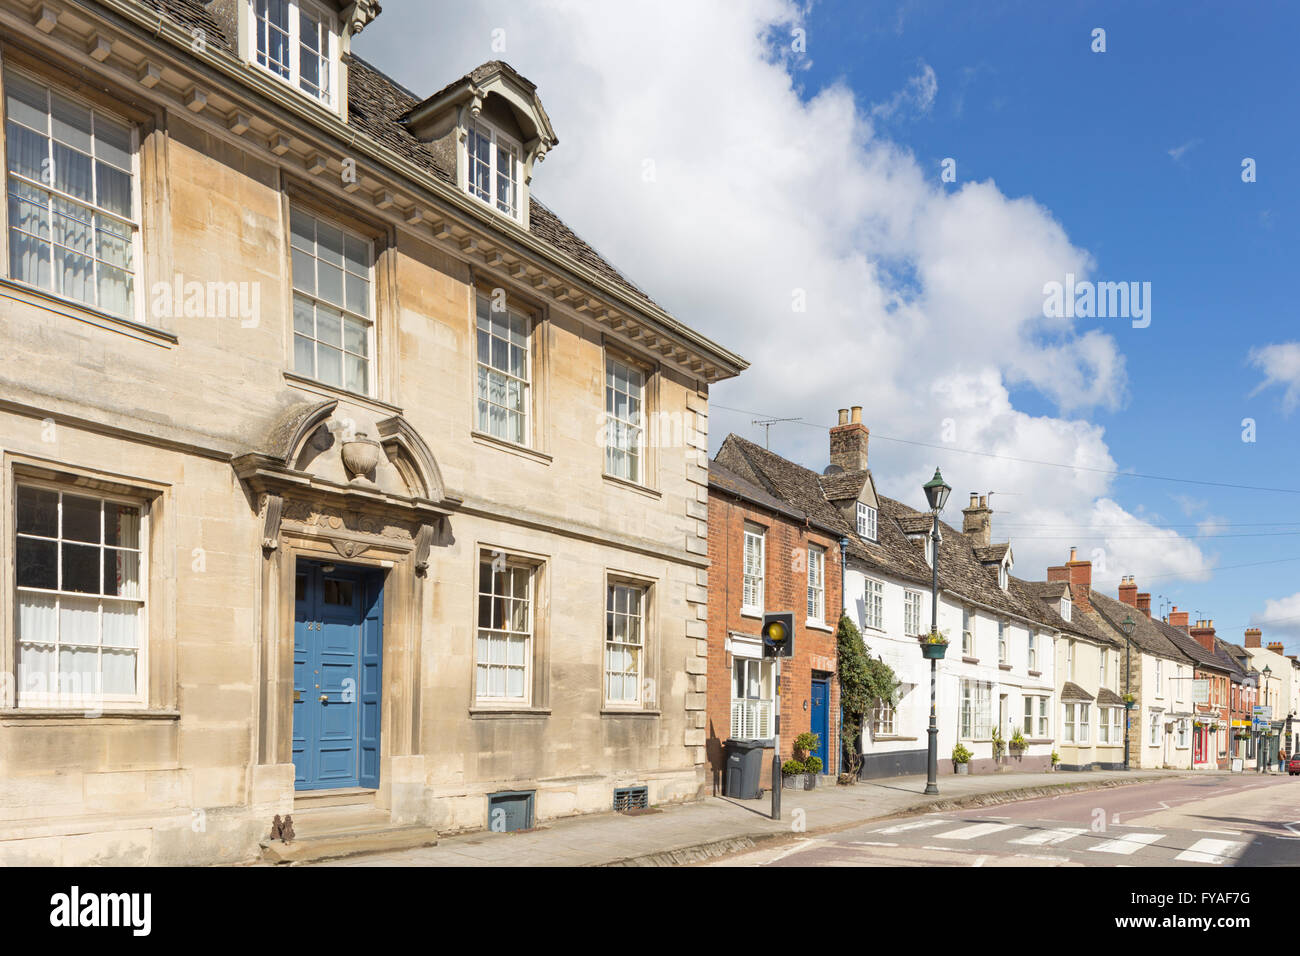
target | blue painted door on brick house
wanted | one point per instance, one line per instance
(337, 644)
(819, 721)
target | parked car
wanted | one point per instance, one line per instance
(1293, 765)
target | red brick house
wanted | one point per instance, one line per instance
(1211, 739)
(765, 555)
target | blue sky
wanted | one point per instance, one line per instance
(1137, 152)
(815, 173)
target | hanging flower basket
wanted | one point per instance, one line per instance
(934, 645)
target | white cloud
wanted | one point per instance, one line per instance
(1280, 619)
(924, 303)
(1281, 367)
(1178, 152)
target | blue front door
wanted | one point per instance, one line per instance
(336, 670)
(819, 719)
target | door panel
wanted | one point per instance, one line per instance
(337, 651)
(819, 720)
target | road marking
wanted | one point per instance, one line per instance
(1225, 832)
(871, 843)
(979, 861)
(1214, 852)
(1042, 856)
(796, 847)
(1128, 843)
(971, 832)
(1050, 837)
(915, 825)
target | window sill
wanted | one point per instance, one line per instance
(751, 612)
(819, 626)
(505, 711)
(75, 310)
(68, 714)
(621, 712)
(632, 486)
(888, 737)
(523, 451)
(332, 391)
(969, 660)
(1004, 667)
(1039, 740)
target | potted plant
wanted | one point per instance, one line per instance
(1056, 760)
(999, 745)
(934, 645)
(1019, 743)
(793, 773)
(804, 745)
(814, 765)
(961, 759)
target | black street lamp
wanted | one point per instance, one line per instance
(1127, 625)
(936, 493)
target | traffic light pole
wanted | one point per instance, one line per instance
(776, 752)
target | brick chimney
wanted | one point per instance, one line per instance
(1253, 636)
(977, 520)
(1078, 574)
(1144, 602)
(1178, 618)
(1275, 647)
(849, 441)
(1128, 591)
(1203, 634)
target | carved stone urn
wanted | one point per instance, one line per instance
(360, 456)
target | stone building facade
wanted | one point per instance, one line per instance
(333, 464)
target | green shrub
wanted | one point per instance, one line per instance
(960, 754)
(807, 742)
(814, 764)
(863, 681)
(793, 768)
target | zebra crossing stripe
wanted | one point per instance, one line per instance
(914, 825)
(971, 832)
(1214, 852)
(1128, 843)
(1050, 837)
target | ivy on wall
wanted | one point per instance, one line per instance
(864, 680)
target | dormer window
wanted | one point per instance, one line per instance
(866, 521)
(1004, 576)
(1065, 607)
(296, 41)
(493, 168)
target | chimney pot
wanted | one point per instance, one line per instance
(984, 501)
(844, 416)
(974, 500)
(849, 440)
(1074, 553)
(857, 415)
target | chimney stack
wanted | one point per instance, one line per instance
(1078, 574)
(849, 441)
(977, 520)
(1144, 602)
(1275, 647)
(1128, 591)
(1203, 634)
(1253, 636)
(1178, 618)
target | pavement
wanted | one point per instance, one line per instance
(717, 826)
(1211, 820)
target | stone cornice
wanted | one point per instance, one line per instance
(266, 117)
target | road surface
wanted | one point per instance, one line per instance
(1219, 820)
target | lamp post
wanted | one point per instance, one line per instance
(936, 493)
(1127, 625)
(1261, 749)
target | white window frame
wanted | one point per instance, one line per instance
(975, 710)
(1069, 659)
(1156, 718)
(96, 699)
(911, 613)
(1003, 576)
(816, 584)
(138, 312)
(1065, 607)
(884, 720)
(873, 604)
(967, 632)
(1003, 641)
(868, 521)
(1160, 678)
(1044, 727)
(1085, 722)
(294, 79)
(505, 634)
(1117, 724)
(318, 302)
(756, 572)
(1027, 719)
(1031, 658)
(1101, 669)
(758, 709)
(497, 140)
(1068, 723)
(625, 436)
(483, 364)
(635, 647)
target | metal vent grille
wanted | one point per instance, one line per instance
(631, 798)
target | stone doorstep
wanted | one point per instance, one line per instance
(350, 796)
(332, 831)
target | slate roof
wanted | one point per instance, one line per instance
(1146, 636)
(993, 553)
(1108, 697)
(1072, 691)
(960, 571)
(726, 480)
(844, 485)
(1229, 652)
(1084, 622)
(1190, 647)
(376, 105)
